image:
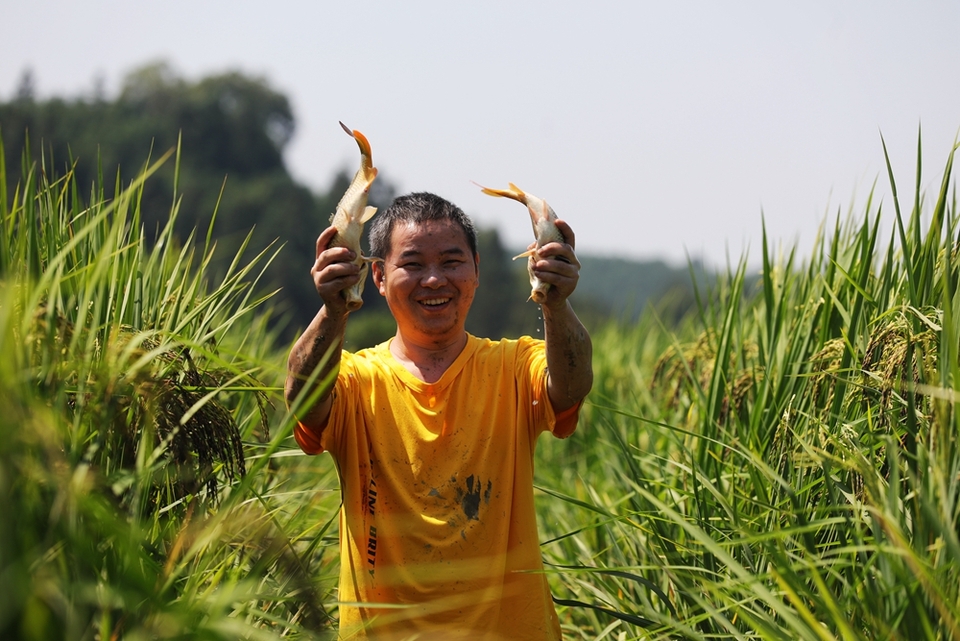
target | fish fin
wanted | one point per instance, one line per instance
(529, 252)
(368, 214)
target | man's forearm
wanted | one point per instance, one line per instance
(324, 335)
(569, 357)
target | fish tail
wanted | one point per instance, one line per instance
(365, 151)
(514, 193)
(516, 189)
(363, 143)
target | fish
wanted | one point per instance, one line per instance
(352, 213)
(545, 230)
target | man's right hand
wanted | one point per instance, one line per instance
(333, 271)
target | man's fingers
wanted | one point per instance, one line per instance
(323, 241)
(332, 279)
(337, 270)
(567, 232)
(333, 256)
(561, 252)
(327, 255)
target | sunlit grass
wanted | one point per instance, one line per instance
(140, 392)
(784, 464)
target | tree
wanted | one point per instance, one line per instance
(230, 127)
(232, 130)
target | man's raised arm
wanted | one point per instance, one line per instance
(569, 350)
(332, 273)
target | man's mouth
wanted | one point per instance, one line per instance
(434, 302)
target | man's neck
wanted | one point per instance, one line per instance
(427, 362)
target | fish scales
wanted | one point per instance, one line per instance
(545, 231)
(351, 214)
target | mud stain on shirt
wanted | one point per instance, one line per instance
(469, 497)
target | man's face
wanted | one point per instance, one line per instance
(429, 278)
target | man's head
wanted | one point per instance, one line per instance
(415, 209)
(430, 268)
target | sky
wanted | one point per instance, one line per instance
(658, 130)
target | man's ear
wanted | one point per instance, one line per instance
(377, 269)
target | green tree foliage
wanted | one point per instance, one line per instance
(232, 129)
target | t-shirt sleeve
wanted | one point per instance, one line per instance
(567, 420)
(309, 439)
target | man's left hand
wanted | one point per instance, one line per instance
(557, 264)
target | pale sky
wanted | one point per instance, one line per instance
(657, 129)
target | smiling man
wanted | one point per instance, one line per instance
(433, 432)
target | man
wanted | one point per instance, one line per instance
(433, 432)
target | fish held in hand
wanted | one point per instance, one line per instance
(352, 212)
(544, 229)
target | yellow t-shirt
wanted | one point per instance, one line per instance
(438, 534)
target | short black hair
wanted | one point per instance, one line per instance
(416, 208)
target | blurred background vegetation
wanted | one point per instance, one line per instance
(234, 128)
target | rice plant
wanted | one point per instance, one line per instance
(786, 464)
(782, 465)
(139, 393)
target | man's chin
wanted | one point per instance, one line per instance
(439, 327)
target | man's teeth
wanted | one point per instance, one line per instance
(435, 301)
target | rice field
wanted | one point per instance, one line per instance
(783, 464)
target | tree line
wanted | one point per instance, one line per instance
(231, 129)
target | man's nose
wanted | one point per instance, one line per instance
(433, 277)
